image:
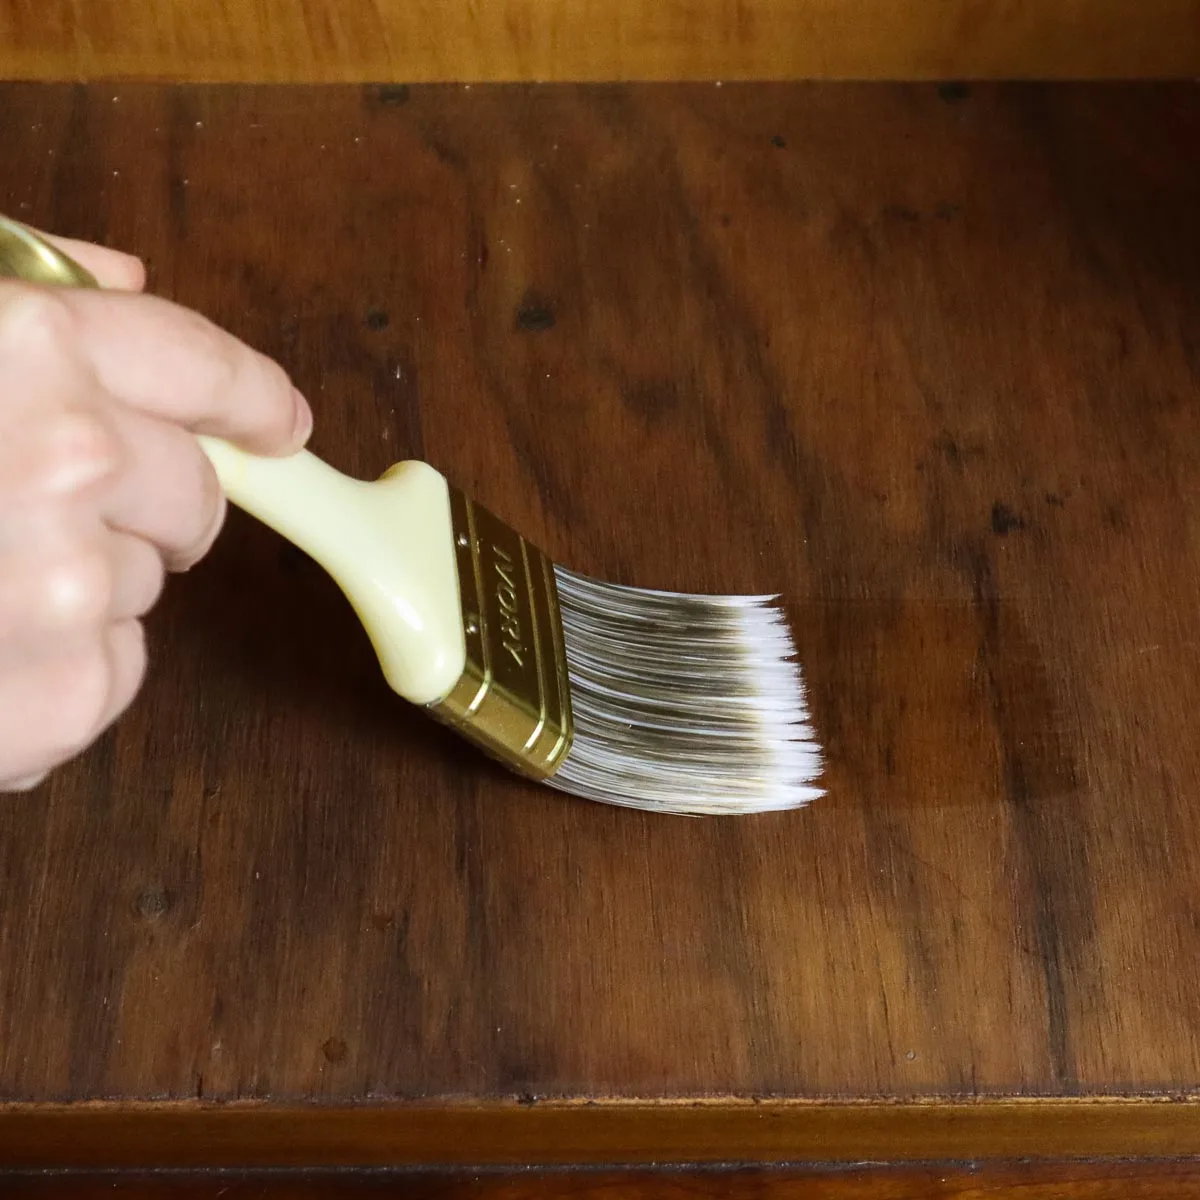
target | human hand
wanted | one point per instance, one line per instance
(103, 488)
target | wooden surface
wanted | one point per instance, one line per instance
(378, 41)
(923, 359)
(183, 1134)
(1086, 1181)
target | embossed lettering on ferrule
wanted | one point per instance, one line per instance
(508, 600)
(513, 698)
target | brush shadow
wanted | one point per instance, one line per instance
(269, 630)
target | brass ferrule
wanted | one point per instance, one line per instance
(513, 699)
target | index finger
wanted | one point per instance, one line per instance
(171, 362)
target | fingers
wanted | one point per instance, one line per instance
(55, 452)
(157, 357)
(167, 492)
(103, 487)
(171, 362)
(140, 475)
(71, 587)
(56, 706)
(71, 590)
(112, 268)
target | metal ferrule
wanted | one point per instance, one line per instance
(513, 699)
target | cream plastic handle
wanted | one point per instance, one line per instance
(388, 544)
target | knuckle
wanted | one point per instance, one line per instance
(80, 446)
(35, 318)
(83, 699)
(77, 590)
(216, 350)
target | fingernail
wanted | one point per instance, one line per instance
(304, 419)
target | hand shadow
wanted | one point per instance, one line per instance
(267, 630)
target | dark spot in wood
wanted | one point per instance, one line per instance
(482, 254)
(1055, 500)
(950, 451)
(946, 212)
(956, 454)
(901, 212)
(1115, 516)
(534, 314)
(153, 903)
(382, 920)
(726, 219)
(954, 93)
(652, 399)
(394, 94)
(528, 1098)
(377, 319)
(1005, 520)
(779, 142)
(334, 1049)
(446, 153)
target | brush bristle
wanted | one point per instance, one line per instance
(684, 704)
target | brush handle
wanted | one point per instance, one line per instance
(388, 544)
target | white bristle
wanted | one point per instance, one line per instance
(684, 703)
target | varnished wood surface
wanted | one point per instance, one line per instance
(1109, 1181)
(925, 360)
(600, 40)
(186, 1134)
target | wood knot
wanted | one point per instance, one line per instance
(534, 314)
(152, 903)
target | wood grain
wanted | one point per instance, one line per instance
(924, 360)
(1108, 1181)
(598, 40)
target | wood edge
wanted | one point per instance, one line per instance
(66, 69)
(530, 41)
(255, 1134)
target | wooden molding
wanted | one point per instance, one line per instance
(524, 40)
(1104, 1180)
(252, 1134)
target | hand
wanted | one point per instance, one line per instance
(103, 489)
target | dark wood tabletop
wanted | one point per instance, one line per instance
(925, 360)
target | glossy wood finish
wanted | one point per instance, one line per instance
(375, 41)
(1115, 1181)
(923, 359)
(186, 1134)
